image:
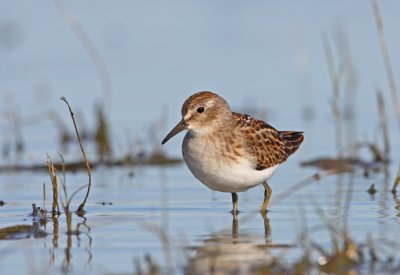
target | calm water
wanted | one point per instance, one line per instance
(265, 58)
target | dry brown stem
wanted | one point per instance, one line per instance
(82, 205)
(386, 59)
(54, 183)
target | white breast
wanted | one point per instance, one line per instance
(208, 166)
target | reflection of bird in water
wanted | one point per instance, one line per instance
(233, 252)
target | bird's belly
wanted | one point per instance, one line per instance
(230, 179)
(224, 176)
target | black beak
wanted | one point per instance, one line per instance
(178, 128)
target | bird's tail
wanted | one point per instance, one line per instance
(293, 140)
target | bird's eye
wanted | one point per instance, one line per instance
(200, 109)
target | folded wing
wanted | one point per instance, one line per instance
(268, 145)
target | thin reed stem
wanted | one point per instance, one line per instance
(383, 124)
(63, 182)
(54, 183)
(334, 75)
(44, 197)
(396, 182)
(389, 72)
(386, 59)
(82, 205)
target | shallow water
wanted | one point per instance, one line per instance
(167, 202)
(267, 59)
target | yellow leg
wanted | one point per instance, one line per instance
(234, 203)
(235, 227)
(267, 227)
(267, 196)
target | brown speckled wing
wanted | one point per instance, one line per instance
(268, 145)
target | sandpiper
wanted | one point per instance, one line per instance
(228, 151)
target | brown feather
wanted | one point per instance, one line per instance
(268, 145)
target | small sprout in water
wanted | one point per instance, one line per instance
(372, 190)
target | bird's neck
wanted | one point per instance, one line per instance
(216, 127)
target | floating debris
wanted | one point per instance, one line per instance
(38, 214)
(75, 166)
(18, 232)
(343, 164)
(343, 260)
